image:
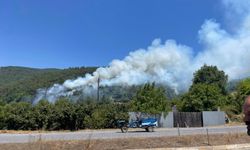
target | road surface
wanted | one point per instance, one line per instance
(116, 133)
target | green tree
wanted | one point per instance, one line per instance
(233, 104)
(80, 114)
(43, 111)
(208, 90)
(202, 97)
(19, 116)
(63, 115)
(97, 119)
(2, 121)
(236, 99)
(105, 114)
(244, 88)
(150, 99)
(212, 76)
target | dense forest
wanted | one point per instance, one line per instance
(20, 83)
(210, 90)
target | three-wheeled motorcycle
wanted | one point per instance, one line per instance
(149, 124)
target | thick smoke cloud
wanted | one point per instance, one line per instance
(171, 63)
(228, 51)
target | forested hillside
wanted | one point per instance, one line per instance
(209, 91)
(20, 83)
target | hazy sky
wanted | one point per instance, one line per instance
(60, 33)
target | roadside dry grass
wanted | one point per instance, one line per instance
(46, 131)
(130, 143)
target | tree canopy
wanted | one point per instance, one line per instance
(236, 99)
(212, 76)
(150, 99)
(62, 115)
(20, 83)
(202, 97)
(207, 91)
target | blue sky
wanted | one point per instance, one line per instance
(63, 34)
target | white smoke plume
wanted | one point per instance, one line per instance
(171, 63)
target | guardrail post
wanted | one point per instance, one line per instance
(179, 134)
(207, 137)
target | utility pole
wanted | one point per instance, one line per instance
(98, 87)
(45, 95)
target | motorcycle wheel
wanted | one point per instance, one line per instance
(124, 129)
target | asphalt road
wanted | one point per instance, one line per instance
(116, 133)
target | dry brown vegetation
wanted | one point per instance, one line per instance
(130, 143)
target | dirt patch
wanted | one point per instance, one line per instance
(131, 143)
